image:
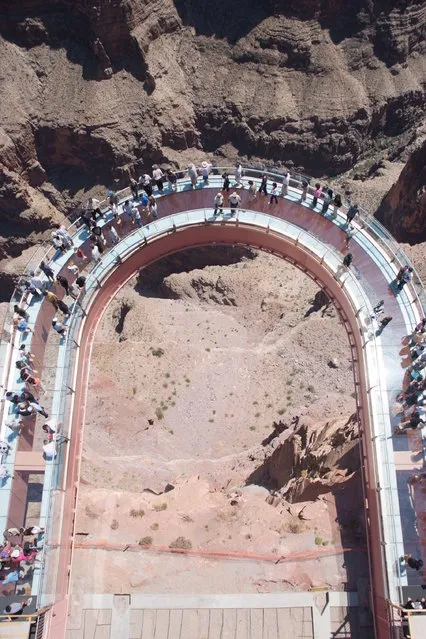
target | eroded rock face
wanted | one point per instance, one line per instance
(303, 460)
(403, 210)
(95, 92)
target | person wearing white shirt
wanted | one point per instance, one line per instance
(218, 203)
(50, 427)
(158, 176)
(193, 175)
(35, 282)
(92, 204)
(274, 193)
(49, 449)
(127, 209)
(74, 269)
(286, 182)
(205, 171)
(113, 235)
(137, 215)
(234, 202)
(96, 256)
(145, 183)
(64, 233)
(238, 174)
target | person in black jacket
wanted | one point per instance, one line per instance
(263, 185)
(64, 283)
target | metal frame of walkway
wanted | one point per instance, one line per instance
(313, 242)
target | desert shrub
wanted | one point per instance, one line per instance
(295, 527)
(137, 513)
(182, 543)
(145, 541)
(157, 352)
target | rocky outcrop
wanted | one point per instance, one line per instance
(305, 460)
(403, 209)
(161, 279)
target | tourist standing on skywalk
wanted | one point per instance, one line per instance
(64, 283)
(172, 179)
(352, 212)
(206, 167)
(59, 327)
(328, 198)
(238, 174)
(252, 191)
(337, 203)
(113, 235)
(263, 188)
(152, 207)
(57, 304)
(62, 232)
(317, 193)
(158, 177)
(234, 202)
(193, 174)
(218, 203)
(226, 182)
(404, 276)
(47, 271)
(305, 185)
(274, 193)
(134, 188)
(145, 183)
(285, 184)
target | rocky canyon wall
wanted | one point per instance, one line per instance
(403, 210)
(96, 91)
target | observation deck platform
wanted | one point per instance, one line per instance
(316, 243)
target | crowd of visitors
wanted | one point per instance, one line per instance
(19, 552)
(412, 400)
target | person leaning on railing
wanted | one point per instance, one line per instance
(353, 210)
(21, 325)
(145, 182)
(47, 271)
(328, 198)
(317, 194)
(337, 204)
(16, 608)
(134, 188)
(20, 311)
(172, 179)
(193, 174)
(404, 276)
(285, 184)
(158, 177)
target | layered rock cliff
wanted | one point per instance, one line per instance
(94, 92)
(403, 210)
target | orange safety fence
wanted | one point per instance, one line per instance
(103, 544)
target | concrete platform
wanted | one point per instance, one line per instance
(299, 615)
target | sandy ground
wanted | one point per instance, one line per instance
(183, 391)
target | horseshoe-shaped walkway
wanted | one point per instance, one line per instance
(316, 243)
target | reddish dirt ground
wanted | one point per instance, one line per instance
(183, 390)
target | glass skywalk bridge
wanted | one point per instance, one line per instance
(291, 229)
